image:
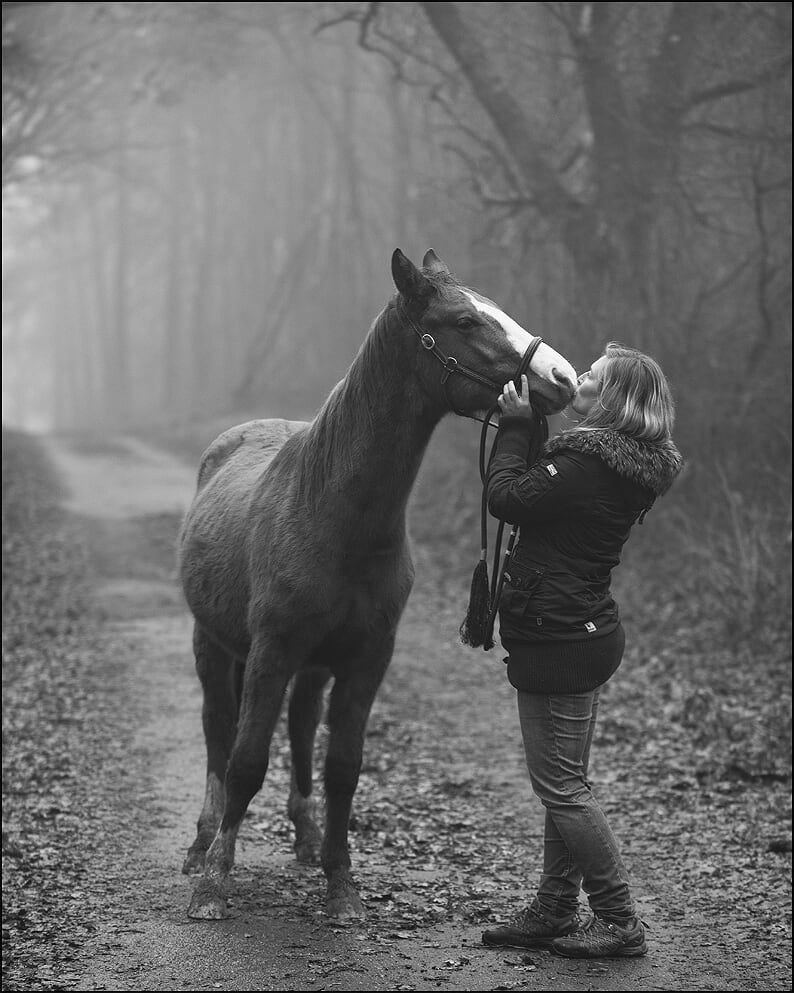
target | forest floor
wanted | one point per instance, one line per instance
(103, 768)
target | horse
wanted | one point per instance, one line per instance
(295, 563)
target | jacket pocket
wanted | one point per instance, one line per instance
(523, 578)
(521, 607)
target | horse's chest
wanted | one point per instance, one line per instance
(364, 618)
(373, 594)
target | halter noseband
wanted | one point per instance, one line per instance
(451, 365)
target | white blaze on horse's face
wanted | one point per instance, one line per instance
(546, 362)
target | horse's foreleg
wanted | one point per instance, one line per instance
(348, 712)
(264, 685)
(216, 671)
(305, 711)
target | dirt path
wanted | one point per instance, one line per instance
(443, 828)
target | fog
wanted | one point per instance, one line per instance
(201, 200)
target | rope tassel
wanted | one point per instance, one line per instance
(474, 629)
(477, 626)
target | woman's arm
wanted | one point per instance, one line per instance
(519, 493)
(522, 485)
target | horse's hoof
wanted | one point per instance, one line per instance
(343, 903)
(208, 903)
(194, 861)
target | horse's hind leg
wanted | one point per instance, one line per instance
(218, 673)
(305, 711)
(265, 682)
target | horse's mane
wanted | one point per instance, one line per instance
(327, 445)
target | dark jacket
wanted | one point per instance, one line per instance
(575, 507)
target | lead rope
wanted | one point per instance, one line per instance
(477, 627)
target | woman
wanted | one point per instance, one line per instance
(560, 627)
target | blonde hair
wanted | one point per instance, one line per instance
(634, 397)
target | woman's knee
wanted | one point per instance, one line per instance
(561, 795)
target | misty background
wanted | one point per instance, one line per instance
(201, 200)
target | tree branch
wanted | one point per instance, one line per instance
(505, 112)
(485, 194)
(732, 87)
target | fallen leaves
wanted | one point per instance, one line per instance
(444, 827)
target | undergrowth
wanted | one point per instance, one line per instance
(48, 715)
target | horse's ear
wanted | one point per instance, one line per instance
(432, 262)
(408, 279)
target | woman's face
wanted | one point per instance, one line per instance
(588, 388)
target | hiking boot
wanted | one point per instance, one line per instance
(602, 939)
(531, 929)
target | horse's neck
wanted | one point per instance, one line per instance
(372, 433)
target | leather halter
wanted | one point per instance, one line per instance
(451, 366)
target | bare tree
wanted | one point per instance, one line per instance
(634, 161)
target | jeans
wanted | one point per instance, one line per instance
(579, 849)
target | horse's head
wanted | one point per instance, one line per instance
(474, 336)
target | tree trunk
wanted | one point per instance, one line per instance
(99, 280)
(118, 355)
(172, 384)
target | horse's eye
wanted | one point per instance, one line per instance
(465, 323)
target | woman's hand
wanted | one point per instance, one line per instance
(516, 404)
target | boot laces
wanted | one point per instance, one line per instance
(599, 934)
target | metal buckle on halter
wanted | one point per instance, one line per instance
(450, 366)
(428, 341)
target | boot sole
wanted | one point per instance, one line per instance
(539, 943)
(620, 953)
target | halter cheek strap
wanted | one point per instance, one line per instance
(451, 366)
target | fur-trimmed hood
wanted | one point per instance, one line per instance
(654, 467)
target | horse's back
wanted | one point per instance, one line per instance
(249, 445)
